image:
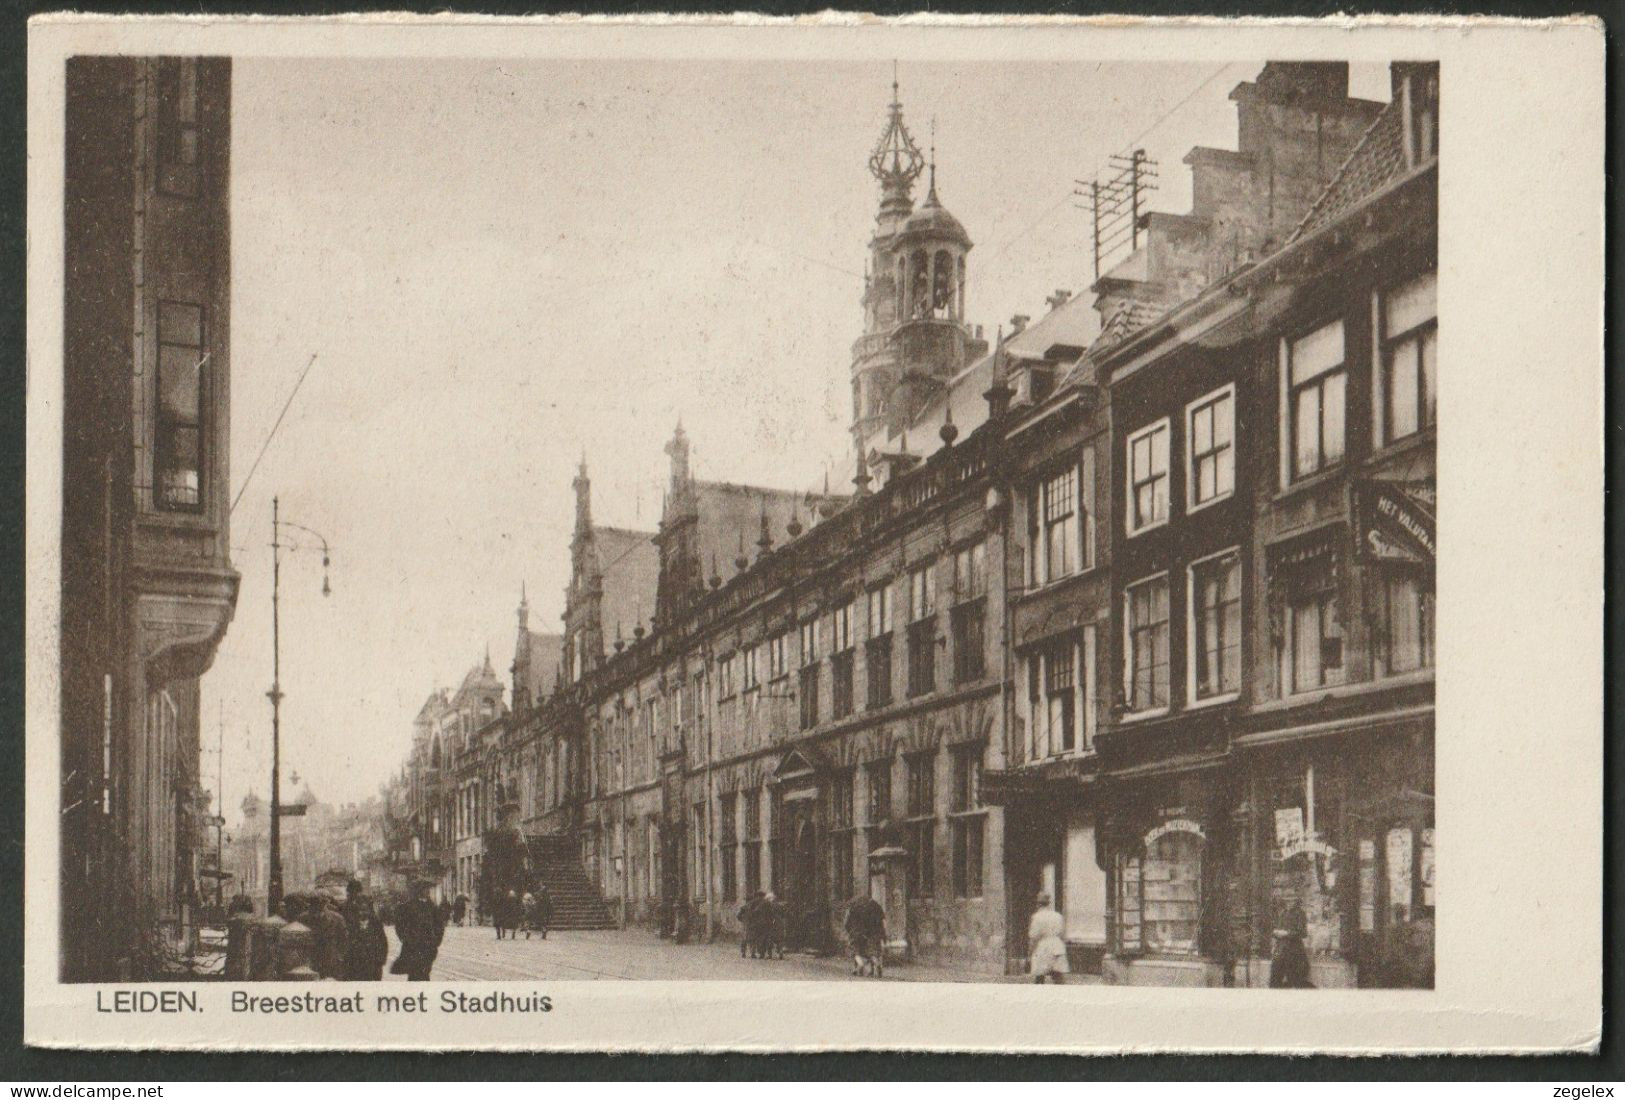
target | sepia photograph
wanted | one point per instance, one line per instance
(1093, 642)
(832, 516)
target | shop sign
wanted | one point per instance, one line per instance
(1396, 521)
(1177, 825)
(1306, 845)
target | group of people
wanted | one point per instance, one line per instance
(514, 913)
(761, 920)
(347, 939)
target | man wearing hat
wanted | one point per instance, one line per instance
(421, 928)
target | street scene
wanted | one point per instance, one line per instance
(870, 521)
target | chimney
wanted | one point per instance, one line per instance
(1018, 323)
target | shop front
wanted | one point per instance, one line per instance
(1171, 844)
(1342, 853)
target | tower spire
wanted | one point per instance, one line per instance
(896, 161)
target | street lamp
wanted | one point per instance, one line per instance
(273, 898)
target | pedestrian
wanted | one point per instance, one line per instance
(543, 915)
(1289, 958)
(420, 927)
(293, 908)
(866, 932)
(329, 936)
(774, 919)
(750, 938)
(1045, 942)
(527, 910)
(367, 946)
(459, 909)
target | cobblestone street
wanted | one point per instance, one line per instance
(474, 954)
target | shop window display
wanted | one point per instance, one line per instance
(1306, 857)
(1171, 893)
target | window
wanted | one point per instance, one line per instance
(922, 630)
(808, 688)
(1409, 358)
(841, 662)
(1148, 477)
(753, 841)
(878, 650)
(967, 821)
(922, 592)
(1316, 625)
(880, 810)
(182, 377)
(922, 810)
(1059, 528)
(841, 833)
(1405, 620)
(1055, 698)
(728, 845)
(1211, 424)
(177, 126)
(1215, 626)
(752, 678)
(778, 656)
(1316, 385)
(1147, 625)
(967, 618)
(970, 572)
(725, 677)
(1171, 881)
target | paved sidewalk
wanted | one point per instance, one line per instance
(475, 954)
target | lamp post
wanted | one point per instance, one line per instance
(273, 899)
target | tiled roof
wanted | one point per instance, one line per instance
(629, 564)
(545, 650)
(1376, 161)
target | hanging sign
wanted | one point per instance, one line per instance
(1396, 521)
(1288, 826)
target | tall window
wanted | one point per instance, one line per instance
(967, 619)
(808, 688)
(841, 833)
(922, 820)
(725, 677)
(182, 375)
(1316, 388)
(879, 776)
(968, 819)
(878, 651)
(1215, 626)
(1315, 622)
(1058, 517)
(1148, 477)
(1147, 628)
(1172, 893)
(1405, 620)
(841, 660)
(778, 656)
(177, 126)
(1410, 380)
(922, 630)
(1211, 430)
(752, 807)
(752, 677)
(728, 844)
(1055, 698)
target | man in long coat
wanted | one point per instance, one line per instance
(331, 936)
(368, 946)
(421, 929)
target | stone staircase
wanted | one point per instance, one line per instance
(555, 860)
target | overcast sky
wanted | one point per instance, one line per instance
(502, 266)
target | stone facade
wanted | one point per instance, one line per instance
(148, 588)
